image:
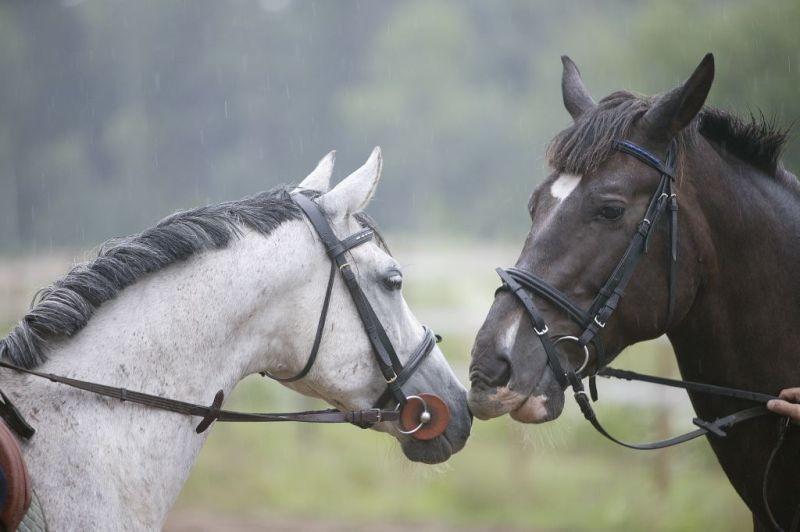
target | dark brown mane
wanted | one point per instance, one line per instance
(586, 144)
(757, 139)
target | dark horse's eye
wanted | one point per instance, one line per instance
(612, 212)
(393, 281)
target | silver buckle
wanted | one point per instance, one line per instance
(542, 332)
(599, 323)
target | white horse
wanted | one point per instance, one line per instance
(189, 307)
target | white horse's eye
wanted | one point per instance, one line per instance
(393, 281)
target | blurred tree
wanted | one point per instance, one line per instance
(114, 114)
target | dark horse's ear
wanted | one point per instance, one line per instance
(673, 110)
(576, 97)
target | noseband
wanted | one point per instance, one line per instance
(522, 284)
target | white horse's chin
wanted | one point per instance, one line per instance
(532, 410)
(433, 451)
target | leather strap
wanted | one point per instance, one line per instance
(541, 288)
(714, 428)
(782, 430)
(539, 325)
(687, 385)
(646, 157)
(14, 419)
(423, 350)
(312, 357)
(673, 255)
(610, 295)
(550, 293)
(385, 355)
(213, 412)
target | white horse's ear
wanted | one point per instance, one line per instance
(353, 193)
(320, 178)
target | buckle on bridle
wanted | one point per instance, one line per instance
(599, 323)
(394, 378)
(542, 332)
(343, 265)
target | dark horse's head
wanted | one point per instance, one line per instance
(583, 216)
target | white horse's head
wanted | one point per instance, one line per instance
(191, 306)
(345, 372)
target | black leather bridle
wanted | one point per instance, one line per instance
(395, 373)
(663, 203)
(427, 418)
(593, 320)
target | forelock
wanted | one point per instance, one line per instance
(589, 141)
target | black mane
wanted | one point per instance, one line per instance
(65, 307)
(587, 143)
(757, 140)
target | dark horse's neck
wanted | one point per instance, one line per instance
(744, 326)
(743, 329)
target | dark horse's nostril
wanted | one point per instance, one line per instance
(496, 373)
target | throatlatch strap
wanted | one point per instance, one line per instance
(317, 336)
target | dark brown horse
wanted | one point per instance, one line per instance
(736, 317)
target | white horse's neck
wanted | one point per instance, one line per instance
(185, 332)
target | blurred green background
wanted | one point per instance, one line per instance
(115, 113)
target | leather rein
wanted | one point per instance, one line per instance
(663, 204)
(425, 419)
